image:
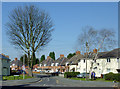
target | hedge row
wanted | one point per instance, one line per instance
(71, 74)
(112, 76)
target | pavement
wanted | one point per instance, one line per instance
(19, 82)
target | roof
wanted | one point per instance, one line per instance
(75, 59)
(3, 57)
(61, 60)
(48, 62)
(17, 62)
(112, 54)
(115, 53)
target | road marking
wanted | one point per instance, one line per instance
(57, 81)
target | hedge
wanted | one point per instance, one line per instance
(112, 76)
(71, 74)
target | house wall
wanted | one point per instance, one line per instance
(102, 66)
(82, 66)
(4, 63)
(71, 67)
(0, 67)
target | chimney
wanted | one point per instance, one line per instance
(48, 57)
(85, 53)
(15, 59)
(77, 52)
(3, 54)
(7, 56)
(95, 50)
(61, 55)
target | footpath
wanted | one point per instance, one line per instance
(19, 82)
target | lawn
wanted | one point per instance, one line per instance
(20, 77)
(98, 79)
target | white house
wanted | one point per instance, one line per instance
(106, 62)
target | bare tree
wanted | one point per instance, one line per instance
(100, 40)
(29, 29)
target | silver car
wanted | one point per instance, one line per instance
(82, 75)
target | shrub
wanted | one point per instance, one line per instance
(71, 74)
(112, 76)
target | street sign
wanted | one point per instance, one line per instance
(23, 67)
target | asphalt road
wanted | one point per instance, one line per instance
(55, 81)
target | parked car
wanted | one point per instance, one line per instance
(82, 75)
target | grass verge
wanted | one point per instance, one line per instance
(20, 77)
(98, 79)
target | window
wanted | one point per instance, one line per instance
(79, 60)
(108, 69)
(84, 60)
(108, 59)
(84, 69)
(117, 59)
(95, 67)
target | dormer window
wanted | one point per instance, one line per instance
(71, 62)
(52, 64)
(108, 59)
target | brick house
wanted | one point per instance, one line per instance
(16, 64)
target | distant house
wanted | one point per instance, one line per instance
(73, 62)
(61, 64)
(4, 65)
(16, 64)
(50, 65)
(47, 65)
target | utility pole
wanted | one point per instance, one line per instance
(24, 67)
(86, 57)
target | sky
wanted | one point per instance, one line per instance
(69, 19)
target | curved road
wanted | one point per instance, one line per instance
(47, 80)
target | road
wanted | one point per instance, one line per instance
(56, 81)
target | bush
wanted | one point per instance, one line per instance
(71, 74)
(112, 76)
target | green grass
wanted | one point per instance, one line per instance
(16, 77)
(98, 79)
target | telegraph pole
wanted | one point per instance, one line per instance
(23, 67)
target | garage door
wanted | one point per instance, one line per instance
(5, 71)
